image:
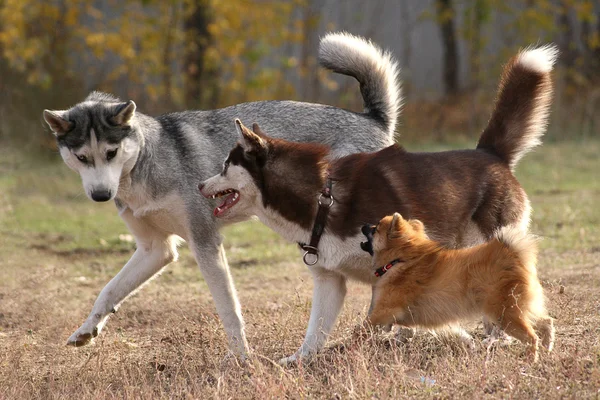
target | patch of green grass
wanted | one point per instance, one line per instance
(563, 183)
(43, 199)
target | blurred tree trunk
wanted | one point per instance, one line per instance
(480, 15)
(407, 27)
(168, 53)
(311, 15)
(475, 17)
(445, 14)
(200, 79)
(591, 49)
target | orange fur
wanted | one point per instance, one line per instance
(435, 286)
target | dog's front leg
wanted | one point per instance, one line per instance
(328, 298)
(155, 250)
(210, 256)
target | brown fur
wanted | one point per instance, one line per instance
(434, 286)
(449, 191)
(518, 86)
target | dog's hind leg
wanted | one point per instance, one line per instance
(545, 327)
(155, 249)
(328, 298)
(516, 325)
(210, 256)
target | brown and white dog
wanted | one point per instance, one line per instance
(462, 196)
(423, 284)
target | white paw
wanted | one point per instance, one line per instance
(289, 361)
(83, 336)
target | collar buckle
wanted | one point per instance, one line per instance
(325, 201)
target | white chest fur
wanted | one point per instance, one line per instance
(335, 254)
(167, 213)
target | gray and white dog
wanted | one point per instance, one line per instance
(151, 168)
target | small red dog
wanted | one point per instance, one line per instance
(423, 284)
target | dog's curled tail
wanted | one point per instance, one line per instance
(375, 70)
(521, 112)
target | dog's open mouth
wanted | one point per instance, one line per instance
(232, 196)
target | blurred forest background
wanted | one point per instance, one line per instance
(185, 54)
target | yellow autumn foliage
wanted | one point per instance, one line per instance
(137, 46)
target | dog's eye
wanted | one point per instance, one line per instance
(225, 167)
(111, 154)
(83, 159)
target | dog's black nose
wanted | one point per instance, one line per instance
(367, 229)
(200, 186)
(101, 195)
(366, 246)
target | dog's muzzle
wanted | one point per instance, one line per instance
(368, 231)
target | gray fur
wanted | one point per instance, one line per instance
(179, 150)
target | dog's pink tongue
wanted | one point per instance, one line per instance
(230, 200)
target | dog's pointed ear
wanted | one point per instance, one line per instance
(124, 112)
(256, 129)
(57, 122)
(417, 225)
(395, 225)
(250, 140)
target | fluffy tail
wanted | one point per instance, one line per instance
(522, 243)
(526, 247)
(520, 116)
(375, 70)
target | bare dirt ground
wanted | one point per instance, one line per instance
(57, 251)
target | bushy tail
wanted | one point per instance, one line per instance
(375, 70)
(520, 116)
(527, 291)
(525, 245)
(522, 243)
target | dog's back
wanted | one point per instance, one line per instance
(461, 196)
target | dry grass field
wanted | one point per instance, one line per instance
(58, 249)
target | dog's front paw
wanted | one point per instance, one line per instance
(290, 361)
(295, 359)
(82, 336)
(404, 334)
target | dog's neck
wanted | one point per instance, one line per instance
(147, 136)
(295, 174)
(422, 251)
(289, 185)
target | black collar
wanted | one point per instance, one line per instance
(380, 271)
(325, 203)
